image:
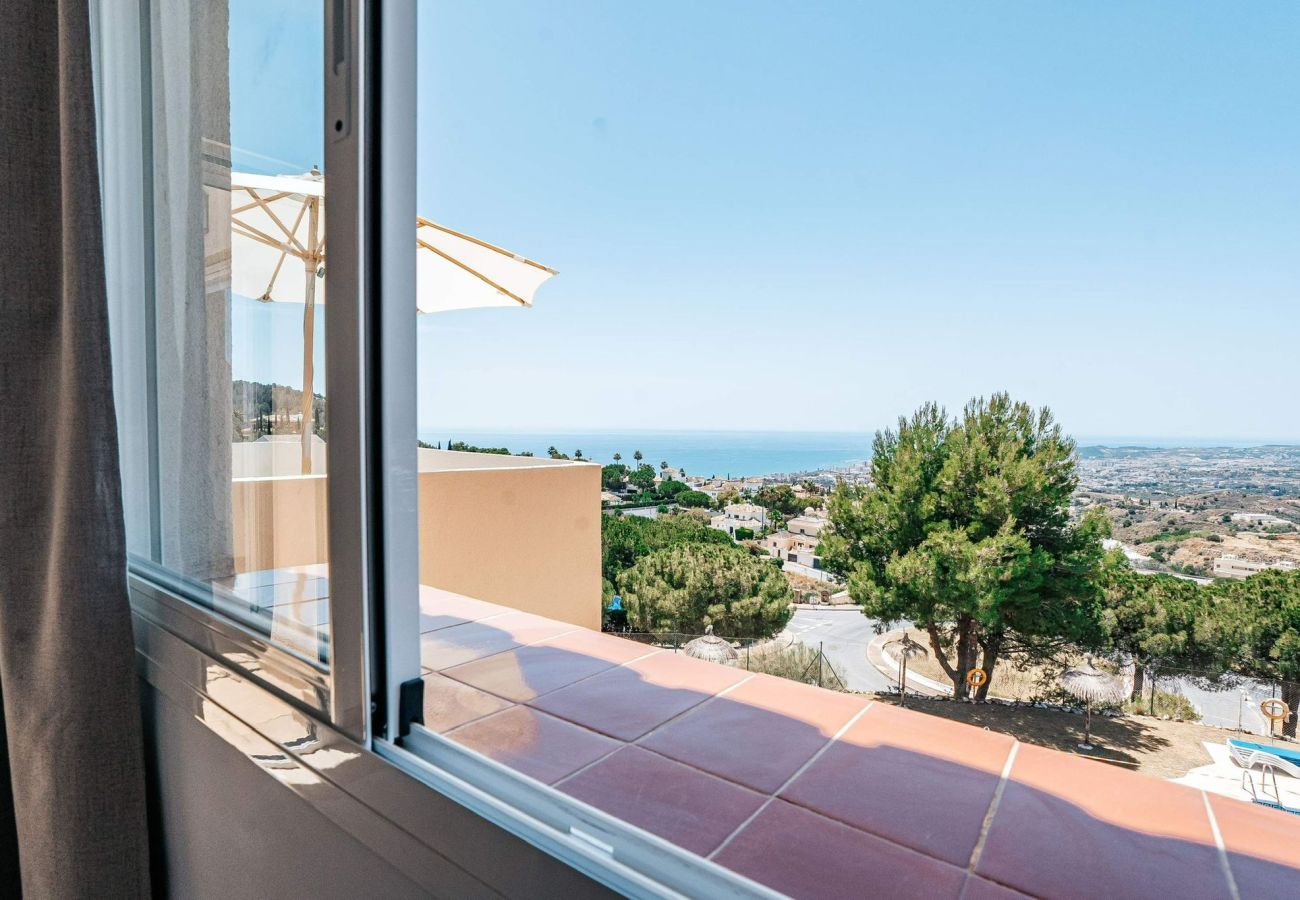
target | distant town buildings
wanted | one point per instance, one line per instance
(810, 524)
(796, 544)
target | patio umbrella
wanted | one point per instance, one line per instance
(710, 648)
(1092, 685)
(278, 255)
(906, 649)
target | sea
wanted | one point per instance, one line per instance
(739, 453)
(704, 453)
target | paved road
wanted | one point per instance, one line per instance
(844, 635)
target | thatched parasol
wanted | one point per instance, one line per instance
(906, 649)
(1092, 685)
(711, 648)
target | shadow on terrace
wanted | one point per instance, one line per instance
(816, 793)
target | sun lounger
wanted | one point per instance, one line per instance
(1270, 759)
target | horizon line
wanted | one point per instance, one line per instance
(1204, 442)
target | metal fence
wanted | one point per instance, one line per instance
(794, 661)
(1213, 698)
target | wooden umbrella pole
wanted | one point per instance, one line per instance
(309, 338)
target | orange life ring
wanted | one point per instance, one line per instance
(976, 677)
(1275, 710)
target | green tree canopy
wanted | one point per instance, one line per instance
(625, 539)
(728, 497)
(780, 498)
(965, 531)
(671, 488)
(611, 477)
(622, 543)
(1150, 617)
(470, 448)
(1254, 625)
(689, 587)
(643, 477)
(694, 499)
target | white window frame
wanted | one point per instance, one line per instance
(369, 56)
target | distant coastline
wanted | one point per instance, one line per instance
(721, 453)
(738, 453)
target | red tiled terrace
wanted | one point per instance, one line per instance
(822, 794)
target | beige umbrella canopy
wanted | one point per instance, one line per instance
(710, 648)
(907, 649)
(1092, 685)
(278, 255)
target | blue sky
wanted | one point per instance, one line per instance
(767, 216)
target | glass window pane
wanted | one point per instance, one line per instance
(223, 350)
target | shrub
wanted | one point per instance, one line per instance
(625, 539)
(1175, 706)
(744, 534)
(672, 488)
(691, 586)
(796, 662)
(697, 499)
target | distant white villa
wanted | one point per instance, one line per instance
(740, 515)
(797, 542)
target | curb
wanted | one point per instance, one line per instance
(887, 665)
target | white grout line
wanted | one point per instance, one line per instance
(993, 808)
(496, 615)
(585, 678)
(515, 703)
(633, 743)
(703, 703)
(517, 646)
(1223, 851)
(772, 797)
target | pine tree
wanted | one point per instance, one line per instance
(965, 531)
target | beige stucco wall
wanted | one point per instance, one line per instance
(521, 532)
(279, 522)
(527, 536)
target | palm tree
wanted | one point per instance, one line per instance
(663, 465)
(638, 457)
(577, 454)
(617, 457)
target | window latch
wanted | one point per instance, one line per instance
(410, 699)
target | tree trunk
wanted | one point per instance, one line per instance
(966, 649)
(965, 657)
(1291, 697)
(936, 647)
(990, 647)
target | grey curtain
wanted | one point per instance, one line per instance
(72, 796)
